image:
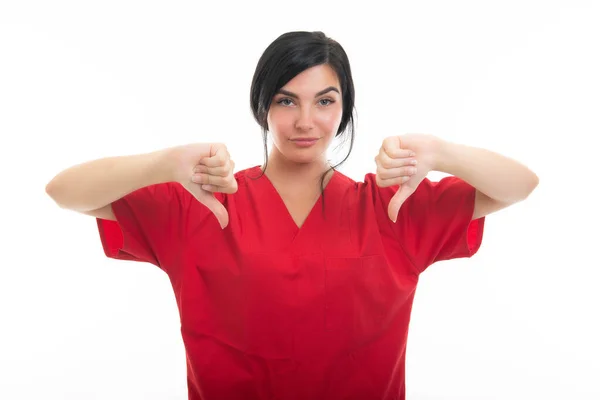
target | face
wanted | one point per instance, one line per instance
(305, 115)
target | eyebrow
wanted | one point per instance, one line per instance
(322, 92)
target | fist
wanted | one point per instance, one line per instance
(405, 161)
(204, 169)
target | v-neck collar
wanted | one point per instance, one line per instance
(329, 191)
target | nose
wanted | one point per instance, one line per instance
(304, 121)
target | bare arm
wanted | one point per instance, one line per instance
(499, 180)
(91, 187)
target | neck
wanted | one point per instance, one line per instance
(303, 174)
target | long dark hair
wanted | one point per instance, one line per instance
(286, 57)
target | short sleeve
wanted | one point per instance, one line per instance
(435, 223)
(149, 226)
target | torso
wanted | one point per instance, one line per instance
(269, 309)
(299, 298)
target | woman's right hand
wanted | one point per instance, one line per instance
(204, 169)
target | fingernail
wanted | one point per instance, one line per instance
(413, 162)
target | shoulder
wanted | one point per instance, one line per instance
(248, 174)
(427, 195)
(426, 187)
(243, 177)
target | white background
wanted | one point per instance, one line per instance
(85, 80)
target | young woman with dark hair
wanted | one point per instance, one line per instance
(302, 286)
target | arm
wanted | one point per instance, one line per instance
(499, 180)
(91, 187)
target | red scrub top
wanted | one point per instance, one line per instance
(272, 311)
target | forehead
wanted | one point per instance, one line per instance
(313, 80)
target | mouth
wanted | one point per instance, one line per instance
(304, 142)
(310, 139)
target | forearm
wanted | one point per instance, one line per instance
(97, 183)
(495, 175)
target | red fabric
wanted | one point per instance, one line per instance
(272, 311)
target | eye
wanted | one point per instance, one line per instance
(325, 102)
(285, 102)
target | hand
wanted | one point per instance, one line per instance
(204, 169)
(405, 160)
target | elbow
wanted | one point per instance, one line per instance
(534, 181)
(523, 187)
(531, 183)
(50, 189)
(53, 192)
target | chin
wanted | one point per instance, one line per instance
(299, 159)
(297, 155)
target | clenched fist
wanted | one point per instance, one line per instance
(204, 169)
(405, 160)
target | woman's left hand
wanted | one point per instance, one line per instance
(405, 161)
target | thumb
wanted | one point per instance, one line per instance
(214, 205)
(217, 209)
(397, 200)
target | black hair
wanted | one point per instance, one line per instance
(289, 55)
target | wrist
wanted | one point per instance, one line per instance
(443, 156)
(163, 165)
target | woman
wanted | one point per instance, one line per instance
(302, 286)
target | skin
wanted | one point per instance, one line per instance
(499, 180)
(310, 105)
(300, 112)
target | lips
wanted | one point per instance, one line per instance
(304, 142)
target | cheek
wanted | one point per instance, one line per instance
(279, 121)
(330, 121)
